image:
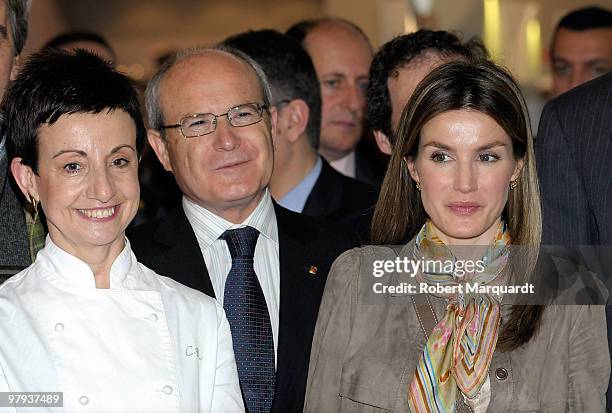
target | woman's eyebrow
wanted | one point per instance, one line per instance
(63, 151)
(438, 145)
(444, 146)
(118, 148)
(492, 145)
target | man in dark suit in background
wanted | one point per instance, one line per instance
(302, 180)
(212, 126)
(574, 154)
(15, 248)
(341, 54)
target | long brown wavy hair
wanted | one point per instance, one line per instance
(399, 214)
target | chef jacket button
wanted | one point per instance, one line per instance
(59, 327)
(167, 390)
(83, 400)
(152, 317)
(501, 374)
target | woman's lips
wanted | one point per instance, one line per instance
(463, 208)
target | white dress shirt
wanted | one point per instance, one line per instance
(208, 227)
(146, 344)
(346, 165)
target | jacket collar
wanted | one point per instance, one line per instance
(71, 271)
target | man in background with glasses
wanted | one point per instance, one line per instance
(212, 126)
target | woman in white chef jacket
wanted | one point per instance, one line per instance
(86, 318)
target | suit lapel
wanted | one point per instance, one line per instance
(326, 195)
(291, 265)
(180, 252)
(298, 301)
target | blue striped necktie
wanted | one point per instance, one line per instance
(247, 312)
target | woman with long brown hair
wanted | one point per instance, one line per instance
(461, 187)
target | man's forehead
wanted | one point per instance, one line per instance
(207, 62)
(210, 69)
(337, 31)
(339, 51)
(428, 59)
(585, 42)
(207, 83)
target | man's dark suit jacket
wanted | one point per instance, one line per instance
(574, 157)
(169, 247)
(574, 162)
(343, 200)
(14, 243)
(370, 164)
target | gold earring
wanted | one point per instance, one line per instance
(513, 185)
(35, 226)
(418, 186)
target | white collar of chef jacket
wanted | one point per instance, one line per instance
(66, 268)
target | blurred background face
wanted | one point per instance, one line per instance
(341, 58)
(230, 167)
(464, 166)
(579, 56)
(7, 50)
(403, 82)
(87, 179)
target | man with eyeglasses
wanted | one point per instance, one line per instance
(212, 126)
(302, 180)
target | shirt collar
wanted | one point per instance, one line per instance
(346, 164)
(208, 227)
(74, 272)
(296, 198)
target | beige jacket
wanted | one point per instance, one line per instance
(366, 347)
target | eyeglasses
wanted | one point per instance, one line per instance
(199, 124)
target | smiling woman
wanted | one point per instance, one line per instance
(461, 184)
(95, 324)
(87, 183)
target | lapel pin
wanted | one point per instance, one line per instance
(312, 270)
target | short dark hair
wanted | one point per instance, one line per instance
(53, 83)
(300, 30)
(399, 52)
(289, 70)
(17, 13)
(62, 40)
(586, 18)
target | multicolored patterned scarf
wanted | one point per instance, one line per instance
(458, 352)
